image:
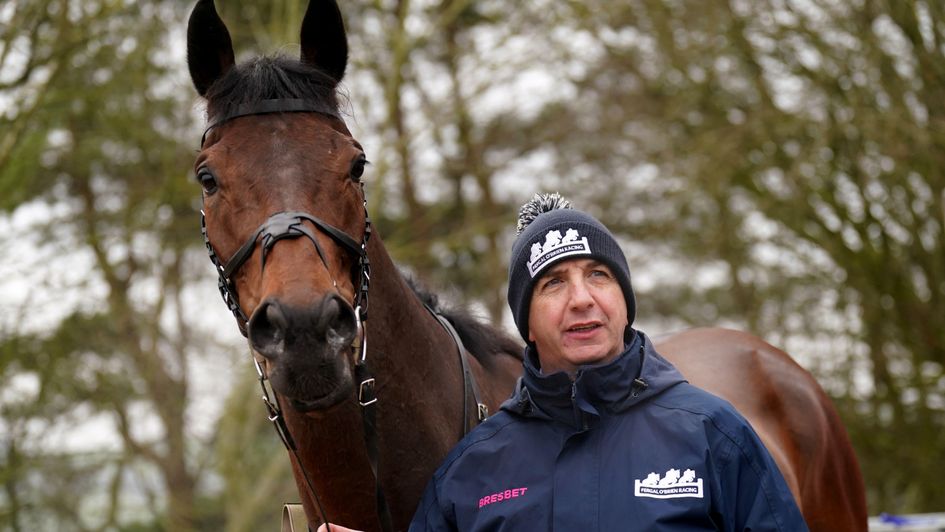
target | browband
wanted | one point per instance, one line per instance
(281, 105)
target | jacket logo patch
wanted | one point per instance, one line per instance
(670, 486)
(556, 246)
(500, 496)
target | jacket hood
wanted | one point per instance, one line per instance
(637, 375)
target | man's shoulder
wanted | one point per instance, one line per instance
(722, 424)
(687, 399)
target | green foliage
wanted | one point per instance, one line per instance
(13, 191)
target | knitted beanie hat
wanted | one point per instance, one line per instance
(549, 231)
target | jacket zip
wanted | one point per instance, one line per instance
(581, 418)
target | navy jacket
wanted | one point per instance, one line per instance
(629, 445)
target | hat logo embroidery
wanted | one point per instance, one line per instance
(670, 486)
(555, 247)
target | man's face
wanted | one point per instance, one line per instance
(577, 316)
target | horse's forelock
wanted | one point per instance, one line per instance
(269, 78)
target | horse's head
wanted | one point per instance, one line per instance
(285, 218)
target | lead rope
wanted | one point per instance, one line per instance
(275, 416)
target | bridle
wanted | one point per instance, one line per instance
(279, 226)
(283, 225)
(288, 225)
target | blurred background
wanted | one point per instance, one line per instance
(775, 166)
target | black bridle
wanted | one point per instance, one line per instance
(279, 226)
(286, 225)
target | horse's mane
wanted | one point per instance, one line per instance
(482, 340)
(269, 78)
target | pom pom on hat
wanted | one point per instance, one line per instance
(540, 203)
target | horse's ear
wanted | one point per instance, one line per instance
(209, 48)
(324, 44)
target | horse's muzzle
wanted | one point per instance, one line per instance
(277, 330)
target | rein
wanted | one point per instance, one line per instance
(284, 225)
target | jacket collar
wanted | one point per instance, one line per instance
(635, 375)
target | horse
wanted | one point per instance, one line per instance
(328, 299)
(367, 422)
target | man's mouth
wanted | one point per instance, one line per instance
(584, 327)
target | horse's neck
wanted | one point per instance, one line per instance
(419, 409)
(415, 359)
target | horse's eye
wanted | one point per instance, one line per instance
(207, 180)
(357, 167)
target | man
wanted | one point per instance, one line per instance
(601, 433)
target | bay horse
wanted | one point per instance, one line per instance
(367, 422)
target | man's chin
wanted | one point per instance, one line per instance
(599, 356)
(577, 357)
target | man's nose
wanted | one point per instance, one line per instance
(580, 295)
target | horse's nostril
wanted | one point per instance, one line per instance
(275, 328)
(267, 329)
(337, 319)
